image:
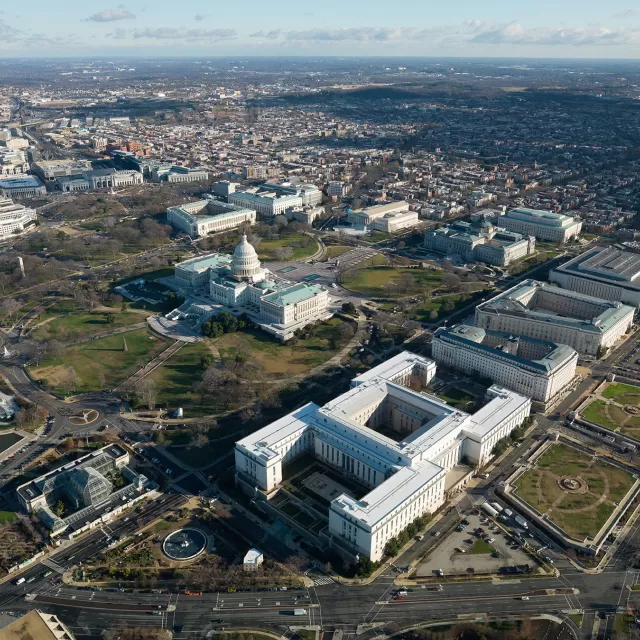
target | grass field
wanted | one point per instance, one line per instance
(283, 360)
(80, 324)
(391, 282)
(7, 517)
(622, 393)
(102, 357)
(337, 250)
(479, 547)
(612, 415)
(176, 377)
(267, 249)
(597, 412)
(580, 515)
(457, 398)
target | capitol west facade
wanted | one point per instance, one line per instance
(240, 284)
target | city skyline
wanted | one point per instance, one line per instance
(547, 30)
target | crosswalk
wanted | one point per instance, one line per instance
(318, 582)
(47, 562)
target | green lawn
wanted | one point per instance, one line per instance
(581, 515)
(457, 398)
(101, 357)
(303, 246)
(7, 517)
(337, 250)
(597, 412)
(176, 377)
(391, 282)
(283, 360)
(80, 325)
(479, 547)
(622, 393)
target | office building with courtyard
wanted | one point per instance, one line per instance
(14, 217)
(479, 240)
(547, 226)
(610, 273)
(398, 443)
(241, 285)
(539, 369)
(208, 216)
(266, 203)
(546, 312)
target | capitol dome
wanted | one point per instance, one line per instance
(245, 263)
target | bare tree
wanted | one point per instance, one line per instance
(10, 307)
(54, 348)
(146, 391)
(283, 253)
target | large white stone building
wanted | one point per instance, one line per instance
(208, 216)
(99, 179)
(20, 187)
(546, 312)
(479, 240)
(267, 203)
(544, 225)
(536, 368)
(14, 217)
(240, 284)
(406, 476)
(385, 217)
(603, 272)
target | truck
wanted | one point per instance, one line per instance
(487, 508)
(299, 612)
(496, 506)
(508, 513)
(20, 580)
(522, 522)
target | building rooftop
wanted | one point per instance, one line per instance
(537, 216)
(294, 294)
(542, 356)
(202, 263)
(534, 299)
(608, 264)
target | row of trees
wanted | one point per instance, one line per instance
(225, 322)
(393, 546)
(517, 434)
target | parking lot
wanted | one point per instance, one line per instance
(463, 552)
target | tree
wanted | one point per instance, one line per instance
(69, 380)
(350, 308)
(433, 315)
(55, 348)
(448, 306)
(146, 392)
(10, 307)
(451, 281)
(199, 441)
(346, 331)
(283, 253)
(59, 508)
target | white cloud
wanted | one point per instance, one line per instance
(174, 33)
(111, 15)
(628, 13)
(470, 32)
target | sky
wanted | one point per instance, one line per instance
(497, 28)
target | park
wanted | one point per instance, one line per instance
(575, 491)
